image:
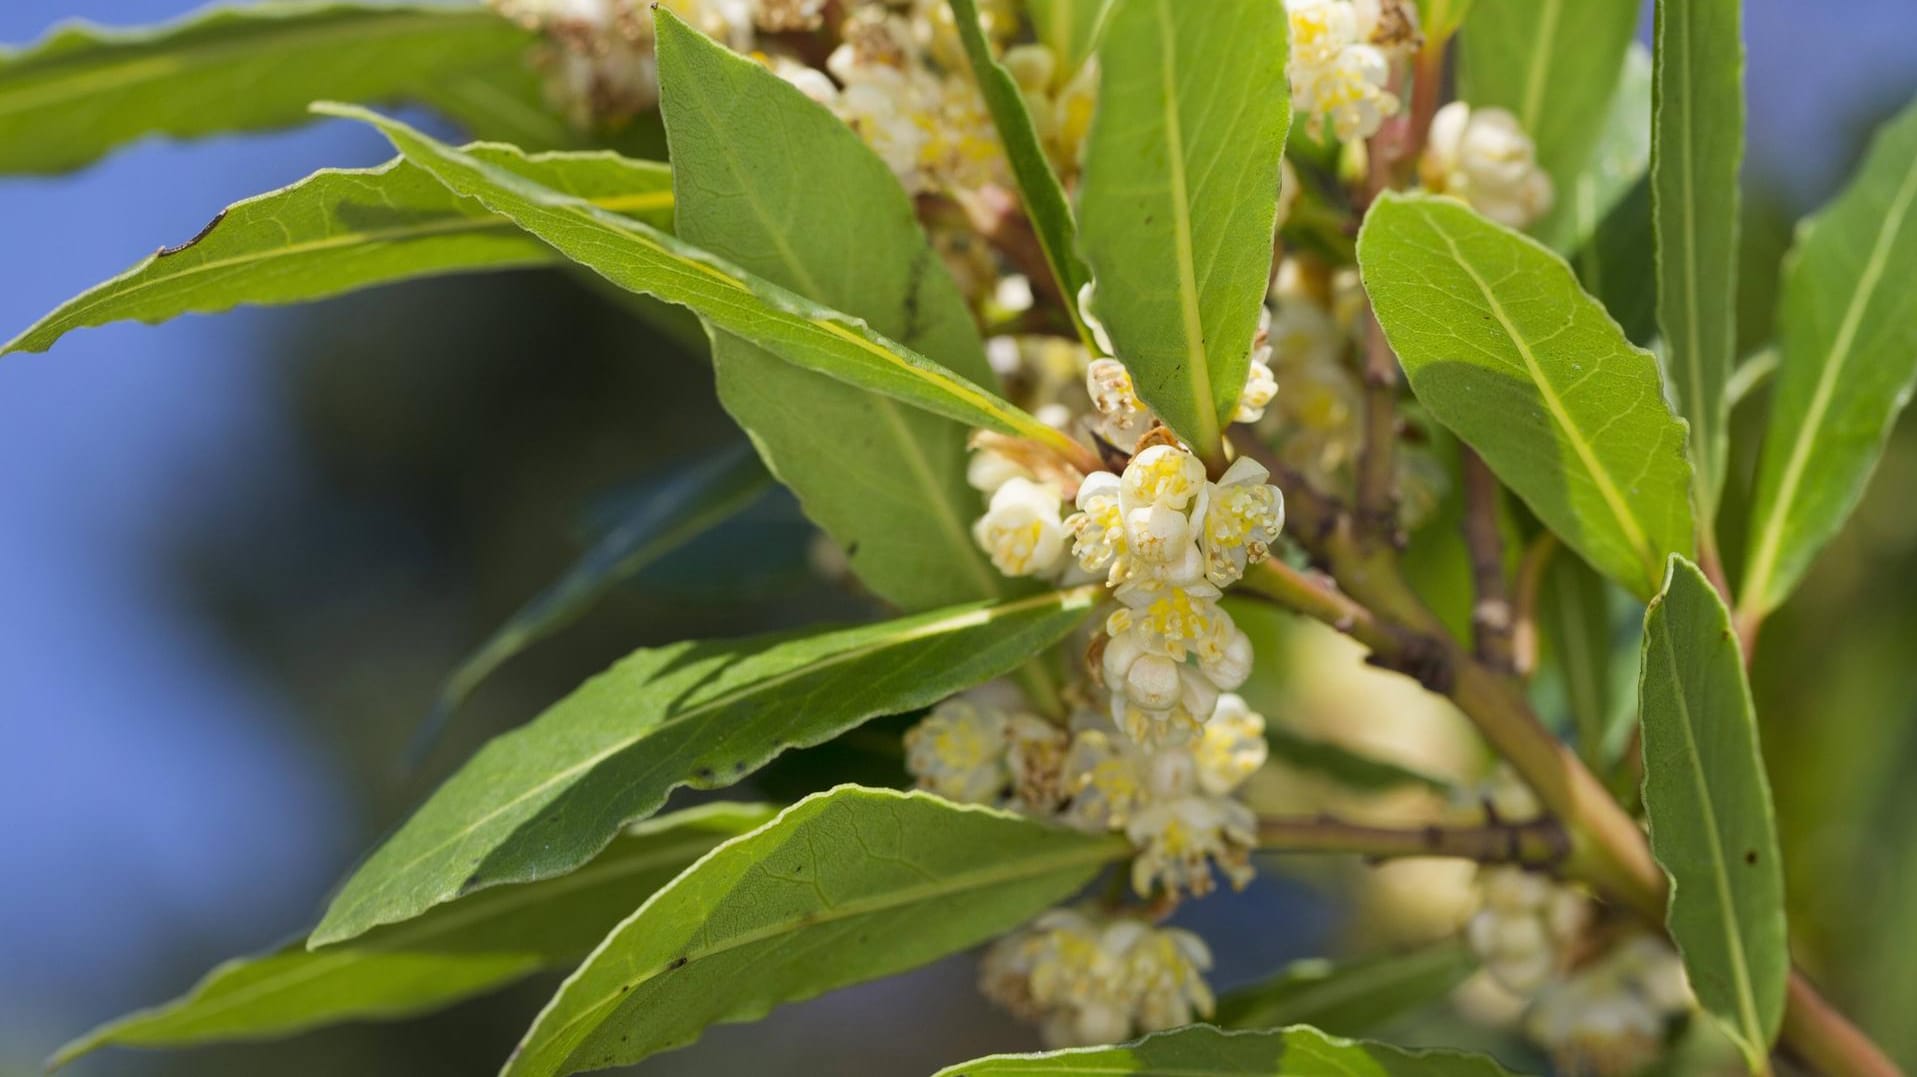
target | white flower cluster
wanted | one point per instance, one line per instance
(979, 748)
(1060, 103)
(1168, 542)
(598, 59)
(1524, 932)
(1484, 157)
(1092, 979)
(1122, 418)
(1610, 1017)
(1343, 55)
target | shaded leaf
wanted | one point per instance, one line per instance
(674, 513)
(1555, 65)
(1709, 803)
(1345, 998)
(1574, 610)
(1697, 147)
(1504, 348)
(1179, 198)
(843, 887)
(1847, 342)
(83, 89)
(337, 231)
(454, 952)
(885, 481)
(1039, 190)
(1344, 766)
(1069, 28)
(545, 798)
(1609, 222)
(1204, 1051)
(643, 259)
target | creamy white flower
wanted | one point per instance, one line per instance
(788, 16)
(1122, 417)
(977, 750)
(1181, 841)
(1021, 530)
(1483, 156)
(1339, 70)
(810, 81)
(1231, 748)
(1610, 1017)
(1095, 979)
(1526, 927)
(1243, 516)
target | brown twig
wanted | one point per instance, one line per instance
(1492, 619)
(1539, 843)
(1524, 628)
(1377, 509)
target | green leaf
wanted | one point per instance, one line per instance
(1555, 65)
(1608, 220)
(642, 259)
(1848, 345)
(338, 231)
(1351, 997)
(1180, 194)
(84, 90)
(1039, 190)
(1505, 349)
(1574, 606)
(887, 482)
(455, 952)
(1203, 1051)
(675, 513)
(1069, 28)
(1709, 804)
(1697, 146)
(843, 887)
(545, 798)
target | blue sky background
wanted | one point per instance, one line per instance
(145, 775)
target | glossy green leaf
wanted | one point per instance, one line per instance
(1204, 1051)
(337, 231)
(845, 886)
(676, 512)
(1697, 147)
(84, 90)
(642, 259)
(452, 953)
(1179, 198)
(885, 481)
(1709, 804)
(1847, 341)
(1039, 190)
(1554, 64)
(1504, 348)
(1069, 28)
(545, 798)
(1346, 998)
(1609, 208)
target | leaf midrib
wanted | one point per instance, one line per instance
(1705, 410)
(1050, 862)
(1183, 246)
(1740, 969)
(1534, 80)
(1601, 478)
(1763, 562)
(94, 80)
(970, 619)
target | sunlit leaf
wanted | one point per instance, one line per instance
(454, 952)
(1709, 803)
(84, 90)
(1847, 341)
(1506, 350)
(643, 259)
(545, 798)
(337, 231)
(1203, 1051)
(1346, 998)
(1180, 193)
(843, 887)
(1697, 148)
(885, 481)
